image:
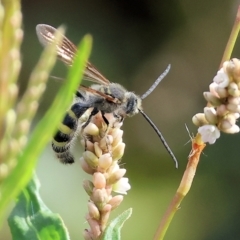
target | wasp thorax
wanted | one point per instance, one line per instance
(115, 90)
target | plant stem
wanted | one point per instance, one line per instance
(232, 39)
(184, 187)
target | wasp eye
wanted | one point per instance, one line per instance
(131, 105)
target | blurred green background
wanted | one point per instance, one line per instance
(134, 41)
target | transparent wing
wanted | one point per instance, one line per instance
(66, 52)
(96, 92)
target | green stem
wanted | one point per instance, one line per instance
(232, 39)
(184, 187)
(168, 216)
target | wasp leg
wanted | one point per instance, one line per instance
(106, 131)
(65, 135)
(118, 117)
(104, 118)
(94, 112)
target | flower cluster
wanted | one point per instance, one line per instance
(103, 149)
(223, 108)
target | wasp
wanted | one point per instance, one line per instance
(104, 97)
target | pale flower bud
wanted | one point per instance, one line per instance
(93, 211)
(91, 129)
(225, 66)
(117, 132)
(233, 69)
(117, 136)
(212, 89)
(234, 100)
(116, 176)
(99, 197)
(106, 208)
(209, 133)
(199, 119)
(116, 201)
(88, 145)
(236, 115)
(114, 167)
(91, 159)
(228, 123)
(99, 180)
(231, 117)
(97, 149)
(94, 226)
(233, 89)
(105, 215)
(215, 101)
(232, 130)
(211, 115)
(222, 92)
(105, 161)
(105, 142)
(225, 124)
(118, 151)
(221, 79)
(88, 187)
(85, 166)
(110, 139)
(222, 110)
(122, 186)
(87, 235)
(233, 107)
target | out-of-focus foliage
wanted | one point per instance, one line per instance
(134, 41)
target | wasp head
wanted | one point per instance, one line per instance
(130, 105)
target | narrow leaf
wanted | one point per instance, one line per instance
(112, 232)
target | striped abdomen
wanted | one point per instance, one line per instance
(66, 133)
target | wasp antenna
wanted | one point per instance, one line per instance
(159, 79)
(160, 136)
(191, 136)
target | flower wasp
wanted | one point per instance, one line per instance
(104, 97)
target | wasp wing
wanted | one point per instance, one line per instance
(66, 52)
(96, 92)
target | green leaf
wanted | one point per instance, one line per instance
(22, 173)
(112, 232)
(31, 219)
